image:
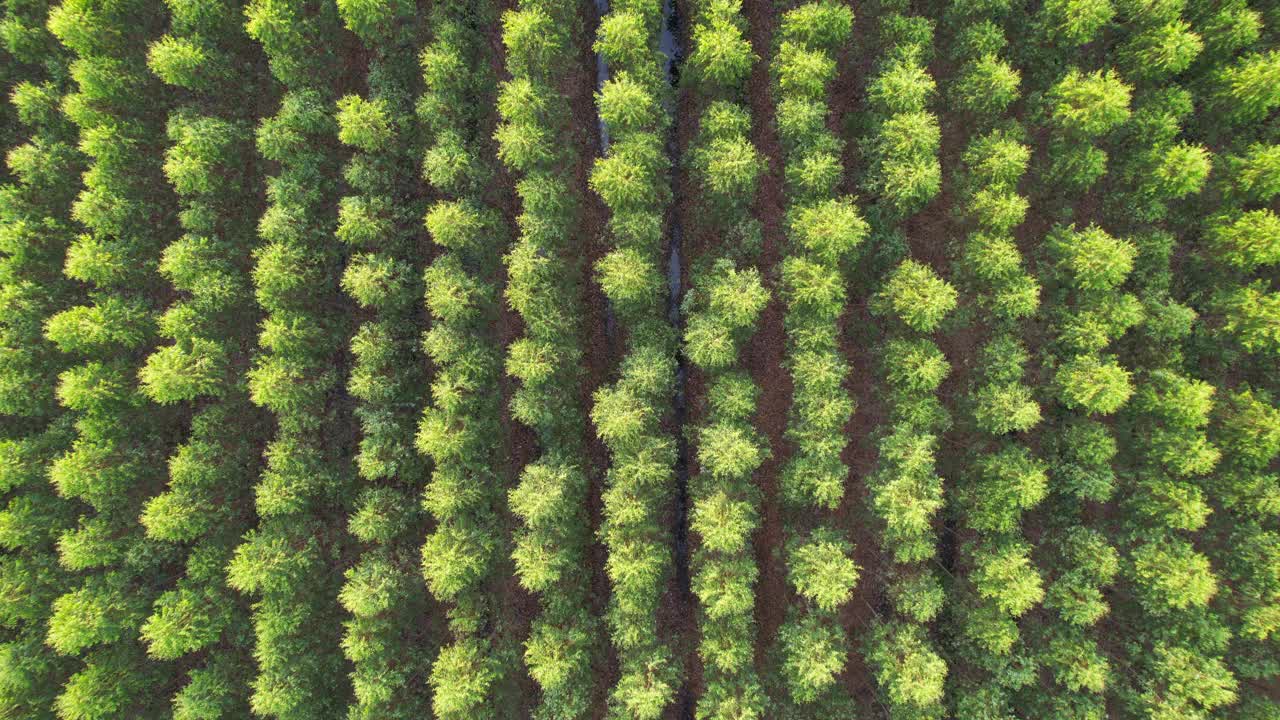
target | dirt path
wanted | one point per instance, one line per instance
(602, 349)
(764, 352)
(516, 607)
(859, 336)
(680, 607)
(678, 617)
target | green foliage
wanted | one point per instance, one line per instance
(1089, 105)
(916, 296)
(734, 300)
(364, 124)
(229, 402)
(1175, 171)
(1172, 575)
(914, 366)
(115, 321)
(1005, 575)
(177, 373)
(1076, 663)
(1247, 241)
(729, 163)
(1190, 685)
(1075, 22)
(98, 613)
(907, 668)
(905, 165)
(723, 524)
(1180, 410)
(720, 52)
(532, 39)
(1076, 166)
(829, 230)
(1087, 449)
(986, 86)
(628, 178)
(1249, 427)
(814, 652)
(1092, 259)
(822, 571)
(824, 24)
(645, 688)
(724, 591)
(903, 86)
(284, 31)
(903, 145)
(558, 660)
(461, 677)
(824, 230)
(1248, 89)
(804, 72)
(996, 159)
(109, 575)
(178, 61)
(1252, 315)
(726, 451)
(906, 493)
(1255, 175)
(631, 180)
(1095, 384)
(626, 103)
(918, 595)
(1004, 408)
(1092, 564)
(624, 38)
(184, 621)
(104, 688)
(1005, 485)
(1161, 51)
(372, 18)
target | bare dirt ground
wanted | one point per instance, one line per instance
(516, 606)
(602, 348)
(680, 606)
(858, 339)
(763, 355)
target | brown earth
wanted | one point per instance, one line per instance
(602, 349)
(858, 338)
(679, 607)
(859, 524)
(516, 606)
(763, 354)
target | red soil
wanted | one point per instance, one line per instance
(678, 615)
(764, 353)
(601, 350)
(516, 606)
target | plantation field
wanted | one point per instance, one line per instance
(640, 359)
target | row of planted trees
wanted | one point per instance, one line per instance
(722, 310)
(380, 224)
(255, 453)
(545, 280)
(998, 582)
(114, 459)
(906, 491)
(631, 413)
(36, 228)
(823, 229)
